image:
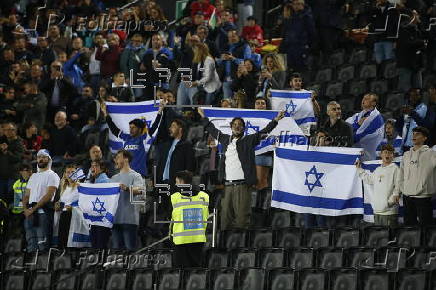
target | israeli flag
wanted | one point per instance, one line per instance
(123, 113)
(78, 236)
(99, 202)
(78, 174)
(296, 104)
(397, 144)
(369, 135)
(317, 180)
(286, 131)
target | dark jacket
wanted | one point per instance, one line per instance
(182, 159)
(10, 160)
(249, 84)
(122, 93)
(67, 92)
(341, 133)
(168, 116)
(62, 141)
(378, 27)
(327, 13)
(410, 48)
(33, 107)
(110, 60)
(245, 147)
(298, 30)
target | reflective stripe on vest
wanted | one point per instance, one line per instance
(19, 188)
(190, 213)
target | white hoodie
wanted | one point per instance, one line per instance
(417, 176)
(384, 181)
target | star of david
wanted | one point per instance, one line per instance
(249, 126)
(317, 176)
(290, 108)
(98, 203)
(147, 122)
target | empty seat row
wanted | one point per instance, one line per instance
(225, 278)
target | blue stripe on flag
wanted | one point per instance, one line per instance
(99, 218)
(131, 109)
(313, 156)
(306, 120)
(290, 95)
(243, 114)
(296, 139)
(367, 209)
(75, 203)
(372, 127)
(98, 190)
(317, 202)
(81, 238)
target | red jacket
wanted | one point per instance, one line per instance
(253, 32)
(110, 60)
(206, 8)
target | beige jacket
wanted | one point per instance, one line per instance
(417, 176)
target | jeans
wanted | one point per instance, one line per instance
(227, 90)
(38, 232)
(383, 50)
(408, 78)
(124, 236)
(185, 94)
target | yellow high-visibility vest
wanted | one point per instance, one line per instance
(189, 209)
(19, 188)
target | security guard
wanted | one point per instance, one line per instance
(19, 188)
(189, 237)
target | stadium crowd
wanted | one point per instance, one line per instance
(56, 77)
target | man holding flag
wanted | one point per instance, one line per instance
(239, 166)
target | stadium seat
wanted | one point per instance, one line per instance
(335, 89)
(243, 258)
(271, 258)
(359, 257)
(280, 218)
(432, 280)
(116, 280)
(12, 261)
(261, 238)
(357, 87)
(376, 236)
(337, 58)
(347, 104)
(315, 87)
(324, 75)
(281, 279)
(310, 279)
(394, 101)
(346, 237)
(169, 279)
(298, 220)
(392, 258)
(64, 280)
(300, 258)
(375, 280)
(411, 279)
(41, 281)
(232, 239)
(90, 281)
(358, 56)
(288, 238)
(164, 259)
(142, 280)
(14, 280)
(430, 237)
(116, 258)
(222, 279)
(409, 237)
(368, 71)
(195, 279)
(62, 262)
(251, 279)
(13, 245)
(341, 279)
(317, 238)
(422, 258)
(389, 69)
(346, 73)
(379, 87)
(217, 258)
(328, 258)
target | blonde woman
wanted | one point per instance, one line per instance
(272, 75)
(204, 72)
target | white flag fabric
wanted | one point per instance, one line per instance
(78, 236)
(286, 132)
(123, 113)
(99, 202)
(317, 180)
(296, 104)
(369, 135)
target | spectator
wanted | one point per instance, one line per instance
(95, 64)
(124, 231)
(36, 73)
(239, 166)
(273, 74)
(416, 180)
(40, 192)
(383, 205)
(8, 58)
(431, 113)
(339, 131)
(410, 52)
(391, 138)
(80, 108)
(44, 52)
(120, 90)
(72, 69)
(247, 79)
(8, 111)
(189, 239)
(204, 6)
(19, 188)
(56, 41)
(135, 142)
(298, 35)
(20, 50)
(62, 139)
(221, 32)
(31, 140)
(252, 31)
(32, 106)
(236, 52)
(109, 57)
(11, 152)
(203, 34)
(185, 92)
